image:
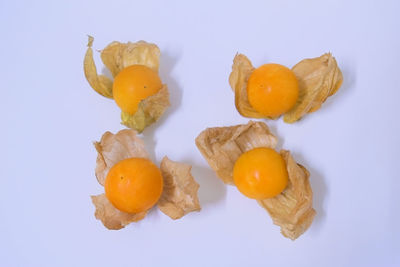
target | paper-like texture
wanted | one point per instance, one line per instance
(179, 195)
(318, 79)
(111, 217)
(292, 209)
(222, 146)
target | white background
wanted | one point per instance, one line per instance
(50, 116)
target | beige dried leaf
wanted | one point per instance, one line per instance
(318, 79)
(292, 209)
(117, 56)
(111, 217)
(112, 57)
(113, 148)
(241, 71)
(149, 110)
(222, 146)
(100, 83)
(179, 195)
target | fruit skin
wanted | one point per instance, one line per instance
(133, 84)
(272, 90)
(134, 185)
(260, 173)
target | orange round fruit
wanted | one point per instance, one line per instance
(134, 185)
(133, 84)
(272, 90)
(260, 173)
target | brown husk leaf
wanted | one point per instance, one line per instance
(179, 195)
(222, 146)
(292, 209)
(117, 56)
(100, 83)
(113, 148)
(149, 110)
(318, 79)
(111, 217)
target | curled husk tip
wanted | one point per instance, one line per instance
(117, 56)
(100, 83)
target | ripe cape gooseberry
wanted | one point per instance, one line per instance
(260, 173)
(134, 185)
(272, 90)
(133, 84)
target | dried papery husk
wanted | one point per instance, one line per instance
(149, 110)
(179, 195)
(111, 149)
(111, 217)
(292, 209)
(100, 83)
(222, 146)
(117, 56)
(318, 79)
(241, 71)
